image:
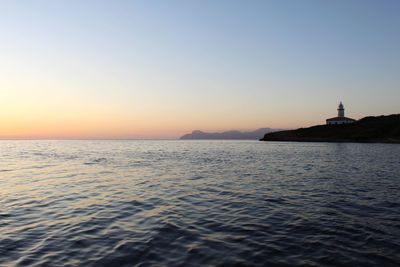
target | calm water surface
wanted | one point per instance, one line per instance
(198, 203)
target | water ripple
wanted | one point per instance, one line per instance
(166, 203)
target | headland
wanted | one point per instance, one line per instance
(378, 129)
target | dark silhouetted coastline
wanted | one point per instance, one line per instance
(379, 129)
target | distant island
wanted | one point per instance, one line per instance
(228, 135)
(379, 129)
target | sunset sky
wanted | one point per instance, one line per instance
(159, 69)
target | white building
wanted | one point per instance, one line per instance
(340, 119)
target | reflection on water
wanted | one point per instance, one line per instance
(196, 203)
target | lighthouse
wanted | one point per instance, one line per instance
(340, 119)
(340, 110)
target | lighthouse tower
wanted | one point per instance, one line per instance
(340, 119)
(340, 110)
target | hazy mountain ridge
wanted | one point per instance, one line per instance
(382, 129)
(228, 135)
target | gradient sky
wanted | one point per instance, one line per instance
(158, 69)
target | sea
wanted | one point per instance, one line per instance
(199, 203)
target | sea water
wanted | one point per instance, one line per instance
(199, 203)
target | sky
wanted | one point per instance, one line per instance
(159, 69)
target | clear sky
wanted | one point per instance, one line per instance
(158, 69)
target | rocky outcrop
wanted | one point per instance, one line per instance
(380, 129)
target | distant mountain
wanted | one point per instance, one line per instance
(229, 135)
(382, 129)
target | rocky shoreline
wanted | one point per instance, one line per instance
(379, 129)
